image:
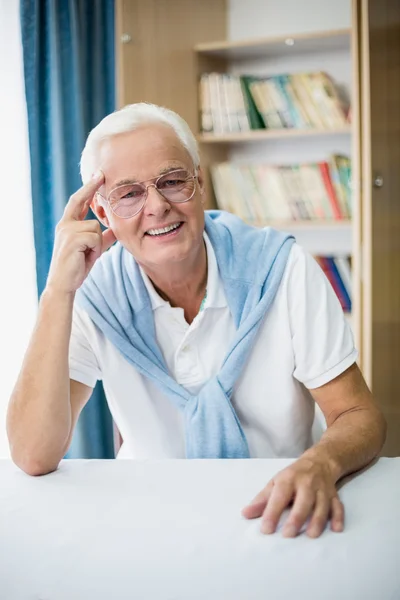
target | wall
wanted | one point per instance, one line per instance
(18, 299)
(261, 18)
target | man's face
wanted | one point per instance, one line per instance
(140, 156)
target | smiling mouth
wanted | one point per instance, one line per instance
(164, 231)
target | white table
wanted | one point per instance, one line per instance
(172, 530)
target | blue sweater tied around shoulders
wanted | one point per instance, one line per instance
(251, 264)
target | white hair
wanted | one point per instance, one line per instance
(130, 118)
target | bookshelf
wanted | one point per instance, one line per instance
(277, 45)
(343, 224)
(269, 134)
(168, 46)
(267, 57)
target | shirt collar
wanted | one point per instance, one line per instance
(215, 292)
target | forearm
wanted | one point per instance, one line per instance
(39, 414)
(351, 442)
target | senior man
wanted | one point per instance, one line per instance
(213, 339)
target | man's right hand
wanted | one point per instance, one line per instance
(78, 243)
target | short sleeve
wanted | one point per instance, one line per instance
(83, 365)
(322, 339)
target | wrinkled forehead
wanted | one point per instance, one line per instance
(142, 154)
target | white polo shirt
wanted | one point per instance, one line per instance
(303, 342)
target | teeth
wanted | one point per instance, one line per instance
(163, 230)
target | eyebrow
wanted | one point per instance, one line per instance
(162, 172)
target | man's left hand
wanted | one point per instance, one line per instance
(307, 485)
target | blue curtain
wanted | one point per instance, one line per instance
(69, 68)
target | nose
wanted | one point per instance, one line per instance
(156, 205)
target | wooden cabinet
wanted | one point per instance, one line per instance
(155, 56)
(156, 62)
(379, 51)
(164, 45)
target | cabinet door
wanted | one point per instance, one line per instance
(380, 131)
(155, 57)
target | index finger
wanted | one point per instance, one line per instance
(78, 205)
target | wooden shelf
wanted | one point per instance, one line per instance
(311, 224)
(338, 39)
(268, 134)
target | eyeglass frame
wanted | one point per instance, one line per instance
(155, 180)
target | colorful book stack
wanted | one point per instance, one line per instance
(338, 271)
(260, 193)
(230, 103)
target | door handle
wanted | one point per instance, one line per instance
(378, 181)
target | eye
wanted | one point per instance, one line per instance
(132, 194)
(174, 180)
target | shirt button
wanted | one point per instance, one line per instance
(186, 349)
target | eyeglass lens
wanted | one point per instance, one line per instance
(176, 186)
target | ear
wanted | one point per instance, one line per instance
(200, 179)
(98, 206)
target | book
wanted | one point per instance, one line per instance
(294, 193)
(303, 118)
(230, 103)
(339, 285)
(281, 101)
(261, 192)
(301, 84)
(241, 107)
(232, 121)
(324, 168)
(340, 191)
(292, 104)
(215, 103)
(255, 119)
(265, 106)
(344, 167)
(331, 97)
(329, 267)
(316, 190)
(206, 122)
(344, 267)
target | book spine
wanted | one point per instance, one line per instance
(344, 166)
(303, 87)
(282, 99)
(304, 192)
(337, 185)
(291, 102)
(260, 101)
(321, 101)
(314, 188)
(215, 103)
(273, 118)
(206, 122)
(231, 117)
(324, 168)
(344, 268)
(332, 97)
(326, 266)
(220, 192)
(292, 90)
(243, 118)
(250, 194)
(283, 210)
(260, 206)
(255, 119)
(346, 300)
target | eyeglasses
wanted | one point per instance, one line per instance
(128, 200)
